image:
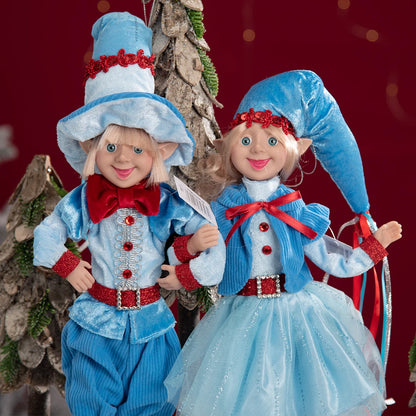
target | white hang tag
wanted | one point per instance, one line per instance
(194, 200)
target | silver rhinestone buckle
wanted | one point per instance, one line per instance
(128, 308)
(277, 294)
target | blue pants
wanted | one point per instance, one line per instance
(107, 377)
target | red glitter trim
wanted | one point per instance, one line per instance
(66, 264)
(266, 118)
(268, 286)
(128, 297)
(122, 58)
(184, 275)
(374, 249)
(180, 246)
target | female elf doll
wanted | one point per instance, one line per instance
(278, 342)
(120, 342)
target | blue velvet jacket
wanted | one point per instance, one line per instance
(286, 247)
(71, 219)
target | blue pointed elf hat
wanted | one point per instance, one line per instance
(119, 89)
(302, 99)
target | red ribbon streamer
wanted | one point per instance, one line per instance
(247, 210)
(363, 230)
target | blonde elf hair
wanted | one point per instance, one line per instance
(222, 171)
(116, 134)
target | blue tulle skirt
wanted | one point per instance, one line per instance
(303, 354)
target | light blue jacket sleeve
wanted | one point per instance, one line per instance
(208, 267)
(70, 219)
(337, 258)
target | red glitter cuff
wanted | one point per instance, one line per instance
(374, 249)
(180, 246)
(66, 264)
(184, 275)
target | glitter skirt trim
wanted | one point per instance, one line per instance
(306, 353)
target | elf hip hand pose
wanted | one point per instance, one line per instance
(120, 342)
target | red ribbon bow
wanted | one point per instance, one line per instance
(247, 210)
(104, 198)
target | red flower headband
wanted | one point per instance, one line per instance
(106, 62)
(266, 118)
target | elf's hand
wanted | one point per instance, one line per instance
(170, 282)
(388, 233)
(205, 237)
(80, 278)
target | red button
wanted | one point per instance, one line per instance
(127, 274)
(266, 250)
(264, 226)
(128, 246)
(129, 220)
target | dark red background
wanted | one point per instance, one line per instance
(43, 46)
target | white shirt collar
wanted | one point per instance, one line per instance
(261, 190)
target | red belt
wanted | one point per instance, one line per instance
(268, 286)
(125, 299)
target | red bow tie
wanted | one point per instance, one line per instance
(247, 210)
(104, 198)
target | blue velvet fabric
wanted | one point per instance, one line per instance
(301, 97)
(148, 235)
(123, 96)
(239, 250)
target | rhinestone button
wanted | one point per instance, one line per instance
(129, 220)
(128, 246)
(264, 227)
(266, 250)
(127, 274)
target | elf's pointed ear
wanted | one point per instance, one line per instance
(166, 149)
(86, 146)
(303, 145)
(219, 145)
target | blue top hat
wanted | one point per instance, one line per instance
(301, 97)
(119, 89)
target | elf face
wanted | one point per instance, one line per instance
(124, 165)
(257, 154)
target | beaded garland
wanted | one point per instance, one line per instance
(106, 62)
(266, 118)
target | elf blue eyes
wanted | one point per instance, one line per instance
(111, 147)
(246, 141)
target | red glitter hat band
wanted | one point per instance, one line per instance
(266, 118)
(106, 62)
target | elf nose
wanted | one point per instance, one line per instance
(123, 153)
(257, 145)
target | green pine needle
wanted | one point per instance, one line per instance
(24, 256)
(60, 191)
(205, 301)
(196, 20)
(72, 246)
(40, 316)
(209, 73)
(412, 355)
(32, 211)
(9, 365)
